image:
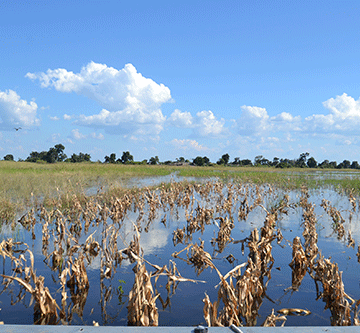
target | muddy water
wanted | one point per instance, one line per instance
(106, 301)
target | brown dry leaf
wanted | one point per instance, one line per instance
(294, 312)
(25, 284)
(271, 320)
(142, 310)
(44, 301)
(333, 291)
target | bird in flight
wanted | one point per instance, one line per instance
(17, 128)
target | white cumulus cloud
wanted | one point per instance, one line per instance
(285, 122)
(181, 119)
(343, 107)
(67, 117)
(187, 144)
(339, 125)
(203, 124)
(15, 111)
(77, 135)
(130, 102)
(285, 117)
(253, 121)
(343, 116)
(97, 136)
(208, 125)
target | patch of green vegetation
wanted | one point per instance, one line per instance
(121, 292)
(25, 184)
(120, 287)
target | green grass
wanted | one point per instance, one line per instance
(25, 184)
(257, 175)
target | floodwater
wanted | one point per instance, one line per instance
(106, 300)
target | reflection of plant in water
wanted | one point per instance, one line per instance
(121, 292)
(120, 287)
(338, 220)
(271, 320)
(46, 308)
(224, 235)
(242, 300)
(333, 293)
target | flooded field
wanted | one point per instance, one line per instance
(184, 254)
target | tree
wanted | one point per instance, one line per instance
(199, 161)
(226, 158)
(285, 163)
(111, 158)
(265, 162)
(33, 157)
(180, 160)
(60, 152)
(275, 161)
(54, 154)
(324, 164)
(345, 164)
(80, 158)
(220, 162)
(301, 161)
(261, 160)
(8, 157)
(126, 157)
(236, 161)
(246, 162)
(257, 160)
(311, 163)
(36, 156)
(154, 160)
(206, 160)
(51, 155)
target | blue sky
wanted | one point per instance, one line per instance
(181, 78)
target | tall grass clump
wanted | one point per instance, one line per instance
(7, 211)
(27, 184)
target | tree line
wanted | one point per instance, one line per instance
(56, 154)
(53, 155)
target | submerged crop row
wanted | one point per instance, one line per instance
(111, 262)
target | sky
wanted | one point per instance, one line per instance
(181, 78)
